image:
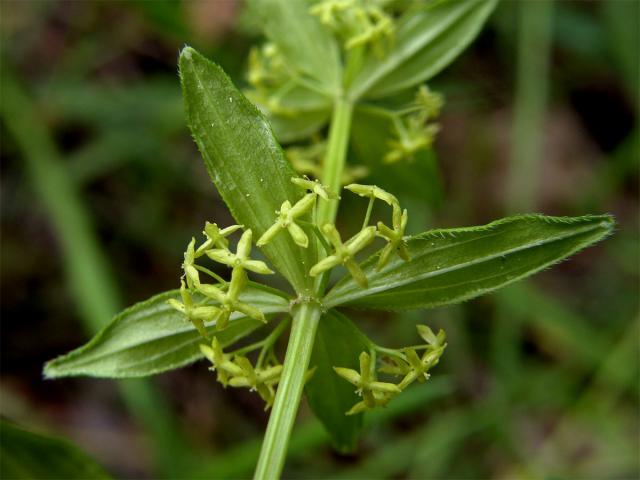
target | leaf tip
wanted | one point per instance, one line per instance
(186, 53)
(188, 58)
(49, 370)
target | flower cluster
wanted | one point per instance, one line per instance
(225, 295)
(206, 303)
(414, 127)
(289, 214)
(343, 252)
(270, 78)
(238, 371)
(405, 363)
(357, 22)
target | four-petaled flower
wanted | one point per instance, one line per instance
(420, 366)
(257, 379)
(411, 138)
(428, 102)
(286, 220)
(373, 393)
(240, 259)
(216, 237)
(196, 314)
(344, 253)
(229, 301)
(395, 237)
(221, 361)
(315, 187)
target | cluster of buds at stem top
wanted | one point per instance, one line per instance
(238, 371)
(414, 128)
(288, 215)
(357, 22)
(225, 295)
(403, 362)
(271, 78)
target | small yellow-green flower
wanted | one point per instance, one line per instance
(420, 366)
(373, 393)
(428, 102)
(241, 257)
(344, 253)
(315, 187)
(412, 137)
(221, 361)
(216, 237)
(287, 221)
(261, 380)
(229, 300)
(394, 237)
(196, 314)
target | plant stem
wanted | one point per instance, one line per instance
(285, 407)
(336, 156)
(306, 318)
(367, 216)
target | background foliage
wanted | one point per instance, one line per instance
(102, 188)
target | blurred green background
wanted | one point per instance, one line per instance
(102, 187)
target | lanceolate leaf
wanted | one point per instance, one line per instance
(427, 40)
(27, 455)
(449, 266)
(151, 337)
(338, 344)
(243, 158)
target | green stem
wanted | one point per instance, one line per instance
(367, 216)
(306, 318)
(336, 156)
(285, 407)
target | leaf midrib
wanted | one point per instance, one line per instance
(124, 348)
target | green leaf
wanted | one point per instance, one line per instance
(427, 40)
(338, 344)
(243, 158)
(450, 266)
(27, 455)
(301, 38)
(151, 337)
